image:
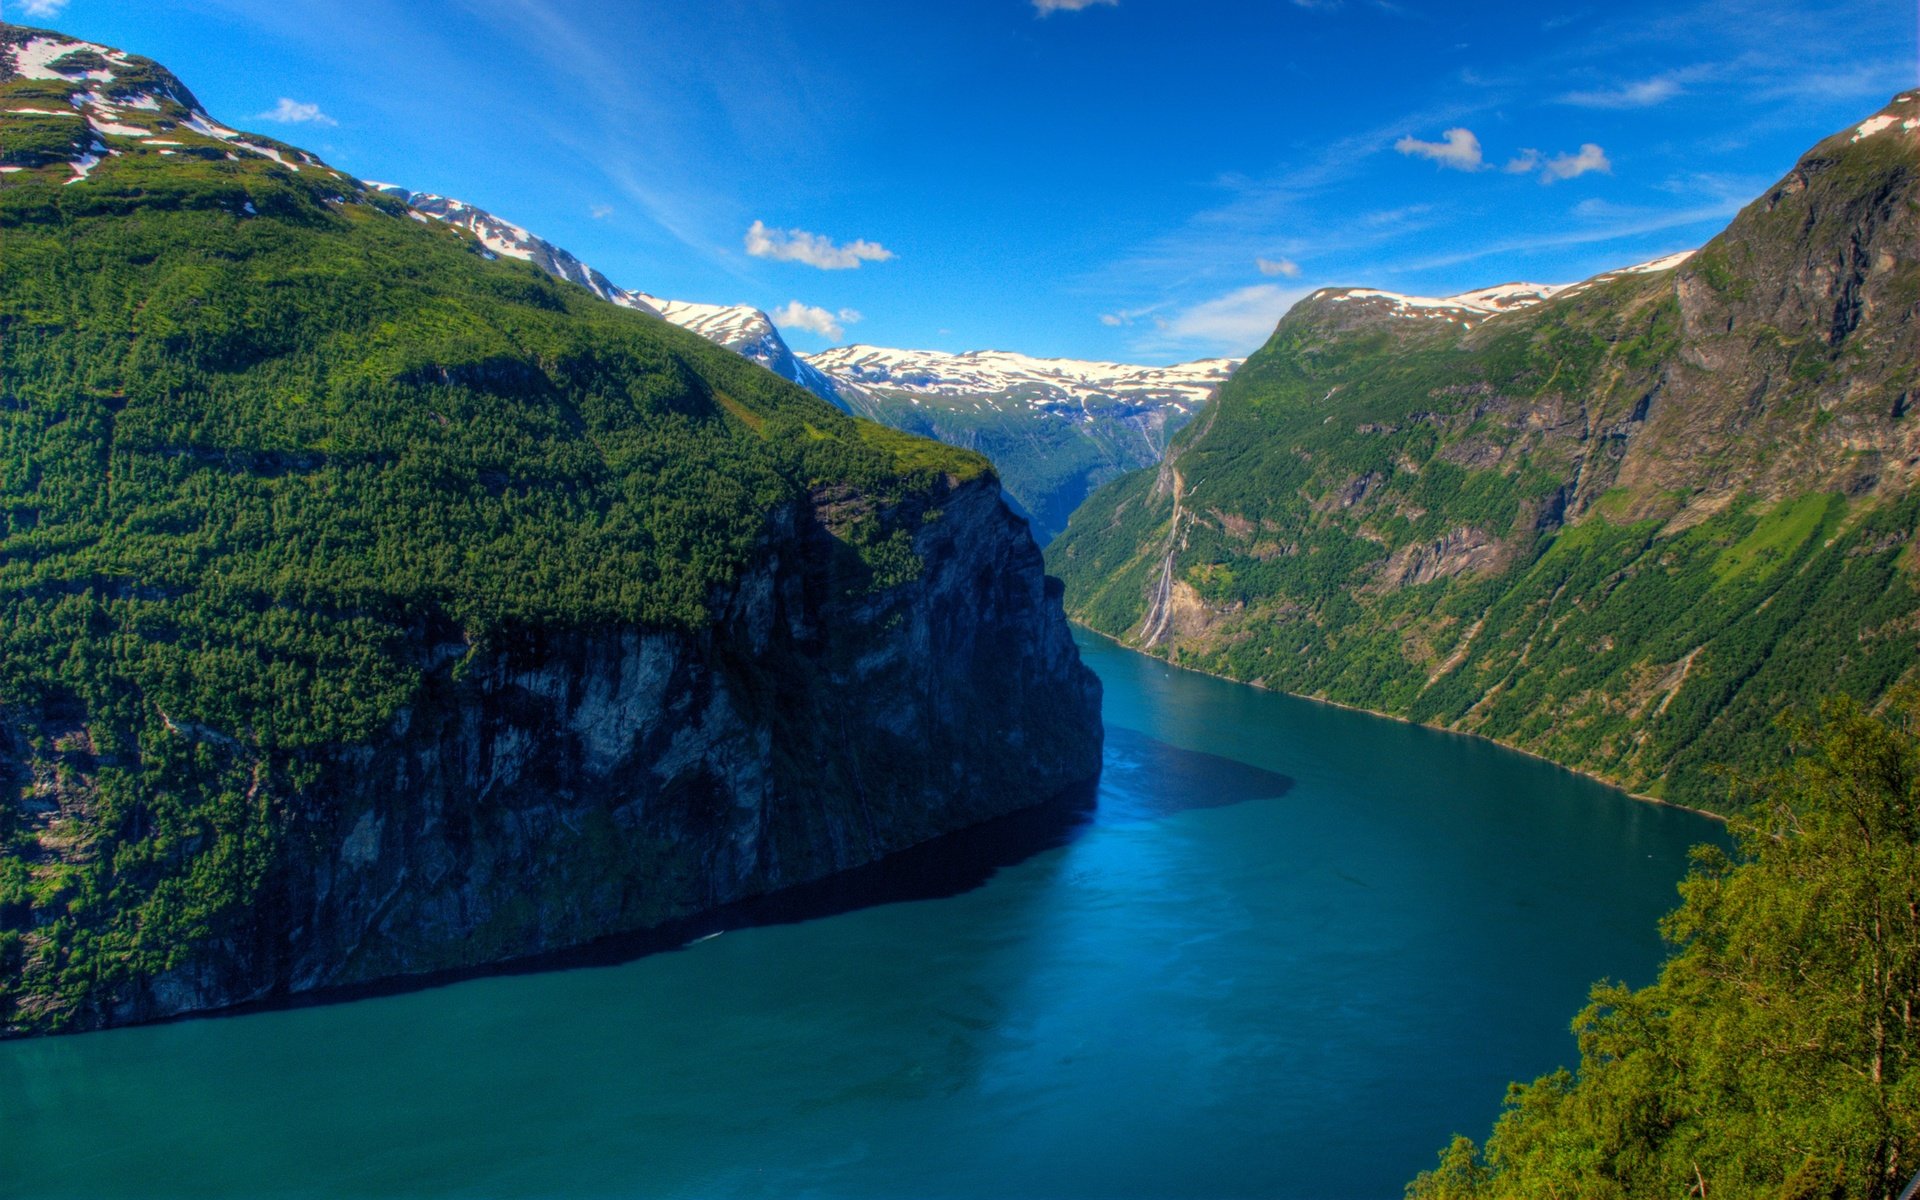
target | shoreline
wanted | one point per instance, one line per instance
(1640, 797)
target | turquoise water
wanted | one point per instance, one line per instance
(1287, 954)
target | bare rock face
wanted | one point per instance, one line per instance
(559, 786)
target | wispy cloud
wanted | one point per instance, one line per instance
(1572, 166)
(797, 245)
(1459, 149)
(600, 212)
(1854, 81)
(293, 112)
(1620, 227)
(1237, 322)
(1277, 266)
(1044, 7)
(829, 325)
(41, 8)
(1644, 94)
(1127, 316)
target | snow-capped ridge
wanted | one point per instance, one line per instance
(1036, 382)
(1471, 308)
(740, 328)
(126, 103)
(503, 238)
(1467, 308)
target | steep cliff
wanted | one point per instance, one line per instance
(372, 604)
(1623, 524)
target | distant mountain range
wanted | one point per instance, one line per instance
(1623, 523)
(1055, 428)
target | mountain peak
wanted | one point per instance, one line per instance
(67, 106)
(1900, 116)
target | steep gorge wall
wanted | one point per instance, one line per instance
(1625, 527)
(555, 786)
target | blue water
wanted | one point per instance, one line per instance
(1290, 950)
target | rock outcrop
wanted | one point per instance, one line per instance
(552, 787)
(1514, 512)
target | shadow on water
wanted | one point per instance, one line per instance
(1146, 779)
(1143, 779)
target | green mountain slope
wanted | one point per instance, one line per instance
(1622, 528)
(316, 522)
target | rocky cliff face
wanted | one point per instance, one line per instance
(1622, 523)
(554, 787)
(372, 602)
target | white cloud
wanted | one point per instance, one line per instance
(1128, 316)
(1524, 163)
(1277, 266)
(1238, 321)
(600, 212)
(797, 245)
(1043, 7)
(41, 8)
(1572, 166)
(829, 325)
(292, 112)
(1645, 94)
(1460, 151)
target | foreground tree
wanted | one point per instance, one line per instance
(1776, 1055)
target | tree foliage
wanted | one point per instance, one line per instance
(1778, 1054)
(267, 447)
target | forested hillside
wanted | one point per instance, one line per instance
(1623, 527)
(290, 481)
(1777, 1054)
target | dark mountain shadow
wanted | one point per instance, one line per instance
(1144, 779)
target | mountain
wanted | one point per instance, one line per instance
(742, 329)
(1055, 428)
(1623, 525)
(374, 603)
(747, 331)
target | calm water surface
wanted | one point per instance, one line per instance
(1288, 954)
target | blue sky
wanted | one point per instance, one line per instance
(1142, 180)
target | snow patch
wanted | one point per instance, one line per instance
(1659, 264)
(268, 152)
(1871, 126)
(30, 58)
(203, 125)
(1463, 308)
(84, 165)
(108, 127)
